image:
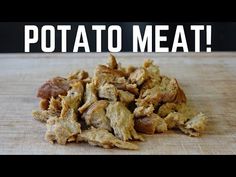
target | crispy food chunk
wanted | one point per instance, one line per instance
(138, 76)
(180, 96)
(174, 119)
(166, 91)
(150, 124)
(73, 99)
(89, 98)
(103, 138)
(132, 88)
(161, 125)
(96, 115)
(112, 63)
(122, 122)
(119, 82)
(167, 108)
(185, 109)
(142, 111)
(43, 104)
(55, 105)
(42, 115)
(53, 88)
(62, 130)
(152, 69)
(116, 77)
(127, 70)
(104, 74)
(87, 80)
(53, 110)
(150, 96)
(169, 89)
(195, 125)
(189, 132)
(125, 96)
(108, 91)
(78, 75)
(148, 84)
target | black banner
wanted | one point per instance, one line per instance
(103, 36)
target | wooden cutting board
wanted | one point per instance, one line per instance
(209, 81)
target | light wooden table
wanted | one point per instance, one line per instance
(209, 80)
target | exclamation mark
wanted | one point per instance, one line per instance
(208, 38)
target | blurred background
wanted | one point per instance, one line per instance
(223, 35)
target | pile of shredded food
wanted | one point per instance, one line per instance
(115, 107)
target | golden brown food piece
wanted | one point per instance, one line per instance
(180, 96)
(53, 88)
(108, 91)
(150, 96)
(53, 110)
(104, 74)
(127, 70)
(42, 115)
(73, 99)
(78, 75)
(103, 138)
(185, 119)
(138, 76)
(112, 63)
(89, 98)
(171, 91)
(122, 121)
(148, 84)
(189, 132)
(167, 108)
(43, 104)
(174, 119)
(169, 88)
(62, 130)
(195, 125)
(142, 111)
(165, 91)
(87, 80)
(125, 96)
(119, 82)
(182, 108)
(55, 105)
(161, 125)
(153, 70)
(96, 115)
(185, 109)
(150, 124)
(132, 88)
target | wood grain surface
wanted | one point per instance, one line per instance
(209, 81)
